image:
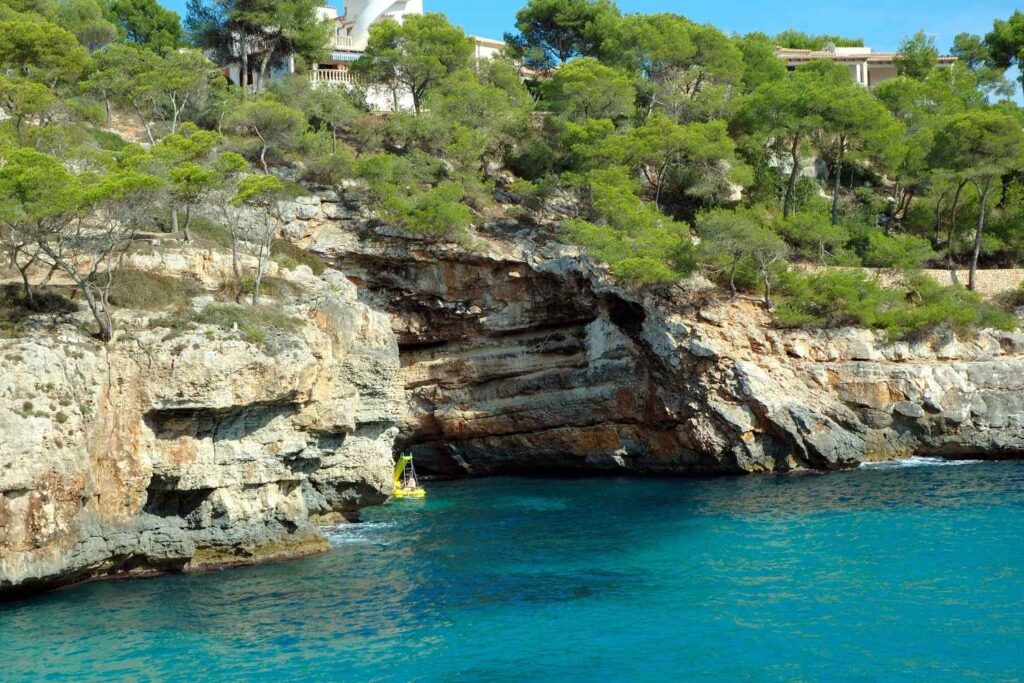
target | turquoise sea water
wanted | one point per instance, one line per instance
(883, 574)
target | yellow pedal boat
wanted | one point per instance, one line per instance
(406, 484)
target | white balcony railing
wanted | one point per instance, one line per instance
(332, 76)
(343, 43)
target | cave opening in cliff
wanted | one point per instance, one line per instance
(164, 500)
(409, 346)
(626, 315)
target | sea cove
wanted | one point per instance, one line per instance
(341, 340)
(889, 572)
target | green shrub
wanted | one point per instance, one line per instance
(628, 234)
(232, 291)
(901, 252)
(437, 213)
(147, 291)
(1013, 299)
(289, 255)
(815, 236)
(324, 161)
(107, 141)
(256, 324)
(206, 232)
(385, 173)
(834, 299)
(644, 270)
(273, 287)
(921, 305)
(807, 196)
(533, 159)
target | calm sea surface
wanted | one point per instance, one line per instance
(880, 574)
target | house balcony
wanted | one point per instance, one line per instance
(346, 44)
(332, 76)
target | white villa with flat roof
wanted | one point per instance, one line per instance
(351, 32)
(868, 68)
(349, 35)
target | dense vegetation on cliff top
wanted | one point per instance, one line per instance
(658, 145)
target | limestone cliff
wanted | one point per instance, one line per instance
(520, 355)
(190, 448)
(171, 450)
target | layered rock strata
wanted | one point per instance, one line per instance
(175, 450)
(520, 355)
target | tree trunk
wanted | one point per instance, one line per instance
(174, 219)
(26, 284)
(243, 76)
(787, 206)
(258, 278)
(100, 314)
(234, 260)
(732, 277)
(264, 63)
(177, 113)
(839, 175)
(938, 219)
(263, 158)
(188, 221)
(661, 181)
(908, 198)
(950, 263)
(17, 130)
(972, 282)
(766, 277)
(235, 255)
(145, 123)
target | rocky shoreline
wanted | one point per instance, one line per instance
(522, 355)
(190, 449)
(172, 451)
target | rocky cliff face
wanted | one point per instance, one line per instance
(176, 450)
(517, 355)
(180, 450)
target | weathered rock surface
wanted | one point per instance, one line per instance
(180, 450)
(183, 450)
(518, 355)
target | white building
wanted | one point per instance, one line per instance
(348, 42)
(352, 27)
(349, 35)
(867, 67)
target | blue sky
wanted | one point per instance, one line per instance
(882, 25)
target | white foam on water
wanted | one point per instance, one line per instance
(917, 461)
(358, 533)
